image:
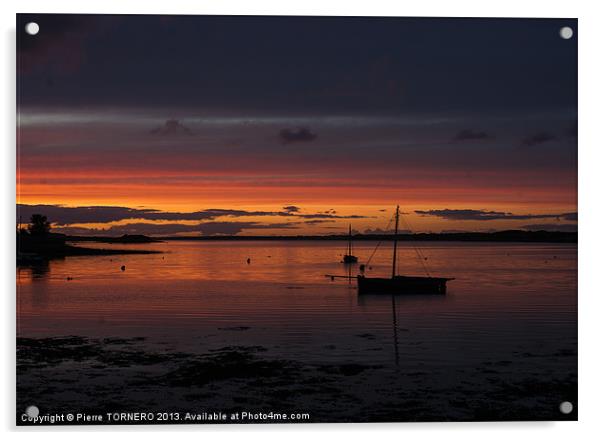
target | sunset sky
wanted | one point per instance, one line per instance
(189, 125)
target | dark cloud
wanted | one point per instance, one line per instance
(233, 228)
(130, 228)
(321, 215)
(240, 213)
(317, 222)
(300, 134)
(478, 214)
(62, 215)
(291, 208)
(283, 213)
(328, 212)
(470, 135)
(164, 229)
(561, 227)
(84, 214)
(537, 139)
(172, 127)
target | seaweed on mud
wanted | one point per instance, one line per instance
(346, 369)
(240, 348)
(229, 363)
(526, 399)
(36, 353)
(369, 336)
(121, 341)
(112, 373)
(126, 358)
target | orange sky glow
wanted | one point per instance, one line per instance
(361, 172)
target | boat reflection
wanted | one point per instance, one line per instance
(379, 300)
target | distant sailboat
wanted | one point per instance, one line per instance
(398, 283)
(349, 258)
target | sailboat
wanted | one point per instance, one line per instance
(349, 257)
(399, 283)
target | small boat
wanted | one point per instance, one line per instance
(402, 284)
(398, 283)
(349, 258)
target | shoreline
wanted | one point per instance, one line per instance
(28, 258)
(509, 236)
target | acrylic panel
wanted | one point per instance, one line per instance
(278, 219)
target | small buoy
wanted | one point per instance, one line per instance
(426, 258)
(123, 267)
(248, 261)
(69, 278)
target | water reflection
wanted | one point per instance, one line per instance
(283, 299)
(39, 274)
(381, 302)
(517, 321)
(38, 271)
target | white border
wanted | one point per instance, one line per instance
(590, 211)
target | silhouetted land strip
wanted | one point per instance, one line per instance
(501, 236)
(124, 239)
(34, 248)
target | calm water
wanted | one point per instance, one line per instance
(511, 307)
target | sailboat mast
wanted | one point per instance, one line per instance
(395, 242)
(349, 244)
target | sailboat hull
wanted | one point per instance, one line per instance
(402, 285)
(349, 259)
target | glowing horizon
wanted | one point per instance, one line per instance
(335, 127)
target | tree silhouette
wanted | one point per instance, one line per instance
(38, 225)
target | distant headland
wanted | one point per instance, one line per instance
(124, 239)
(499, 236)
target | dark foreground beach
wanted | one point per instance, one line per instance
(73, 374)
